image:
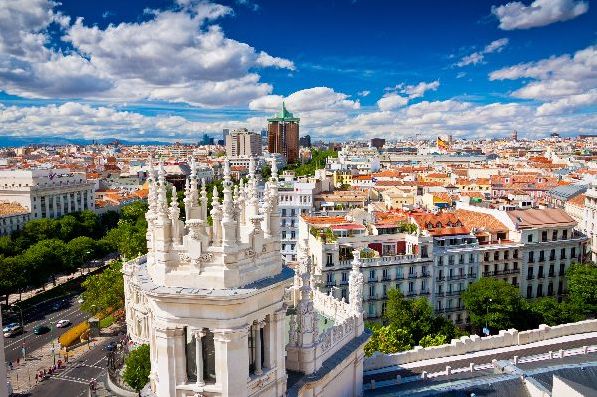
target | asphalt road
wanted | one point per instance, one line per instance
(43, 315)
(478, 360)
(75, 379)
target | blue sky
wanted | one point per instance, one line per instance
(172, 70)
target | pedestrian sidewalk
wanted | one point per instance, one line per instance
(22, 374)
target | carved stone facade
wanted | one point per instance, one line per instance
(209, 298)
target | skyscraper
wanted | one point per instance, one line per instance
(283, 135)
(243, 143)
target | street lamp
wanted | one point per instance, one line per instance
(21, 310)
(486, 329)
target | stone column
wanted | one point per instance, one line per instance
(76, 200)
(232, 361)
(199, 334)
(170, 359)
(55, 206)
(47, 202)
(258, 370)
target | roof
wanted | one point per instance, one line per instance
(441, 224)
(324, 220)
(348, 226)
(539, 218)
(479, 220)
(284, 115)
(10, 209)
(566, 192)
(578, 201)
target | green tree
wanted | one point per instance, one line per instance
(548, 310)
(133, 212)
(12, 276)
(104, 290)
(41, 229)
(433, 340)
(582, 286)
(70, 227)
(389, 339)
(128, 239)
(405, 227)
(81, 250)
(137, 368)
(497, 304)
(44, 259)
(90, 223)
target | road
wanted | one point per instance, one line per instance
(44, 315)
(75, 379)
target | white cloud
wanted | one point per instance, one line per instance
(391, 101)
(516, 15)
(311, 99)
(176, 55)
(478, 57)
(565, 82)
(418, 90)
(364, 93)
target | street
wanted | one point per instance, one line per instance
(75, 379)
(13, 346)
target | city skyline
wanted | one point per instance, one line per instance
(172, 70)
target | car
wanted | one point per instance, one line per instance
(10, 326)
(110, 346)
(16, 329)
(62, 323)
(59, 305)
(41, 329)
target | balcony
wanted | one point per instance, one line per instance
(541, 275)
(424, 292)
(452, 293)
(440, 278)
(457, 277)
(344, 282)
(488, 274)
(425, 274)
(386, 278)
(413, 275)
(453, 309)
(511, 271)
(330, 283)
(530, 277)
(399, 277)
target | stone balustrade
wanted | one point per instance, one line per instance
(330, 307)
(474, 343)
(334, 338)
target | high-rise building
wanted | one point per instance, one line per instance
(243, 143)
(305, 141)
(377, 143)
(225, 133)
(283, 135)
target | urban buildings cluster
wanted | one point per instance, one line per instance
(210, 297)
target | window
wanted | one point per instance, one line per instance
(255, 332)
(344, 277)
(530, 273)
(385, 274)
(424, 253)
(540, 290)
(531, 257)
(529, 291)
(554, 235)
(562, 268)
(530, 238)
(496, 255)
(551, 270)
(573, 252)
(207, 355)
(329, 279)
(564, 234)
(544, 235)
(293, 235)
(283, 211)
(372, 291)
(411, 287)
(506, 254)
(552, 254)
(372, 275)
(329, 259)
(540, 272)
(550, 289)
(563, 253)
(541, 256)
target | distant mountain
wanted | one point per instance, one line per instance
(16, 141)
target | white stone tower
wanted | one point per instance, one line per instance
(209, 295)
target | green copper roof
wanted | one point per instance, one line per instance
(284, 115)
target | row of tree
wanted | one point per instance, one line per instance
(407, 323)
(490, 303)
(318, 159)
(46, 248)
(499, 305)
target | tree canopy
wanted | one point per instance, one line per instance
(582, 286)
(137, 368)
(104, 290)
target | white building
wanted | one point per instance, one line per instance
(243, 143)
(13, 217)
(390, 258)
(590, 219)
(210, 302)
(47, 193)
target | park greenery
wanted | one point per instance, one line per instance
(104, 291)
(499, 305)
(46, 247)
(318, 159)
(137, 368)
(407, 323)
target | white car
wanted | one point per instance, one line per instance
(62, 323)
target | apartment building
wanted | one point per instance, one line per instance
(550, 246)
(243, 143)
(47, 193)
(12, 217)
(390, 258)
(455, 261)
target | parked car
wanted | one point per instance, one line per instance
(41, 329)
(12, 330)
(59, 305)
(62, 323)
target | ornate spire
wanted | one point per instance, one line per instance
(162, 200)
(203, 200)
(174, 209)
(227, 203)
